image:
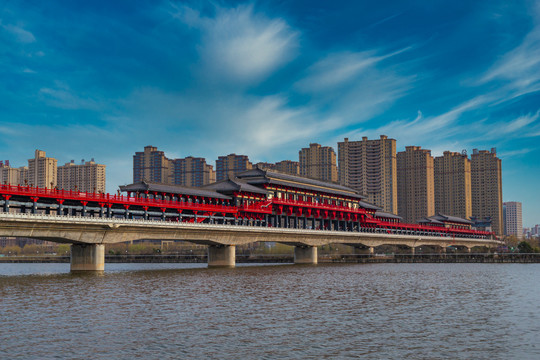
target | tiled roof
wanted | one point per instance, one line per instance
(383, 214)
(172, 189)
(454, 219)
(430, 221)
(260, 176)
(235, 185)
(370, 206)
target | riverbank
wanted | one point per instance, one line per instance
(347, 258)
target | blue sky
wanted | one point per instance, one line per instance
(103, 79)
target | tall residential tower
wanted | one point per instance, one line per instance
(416, 199)
(88, 176)
(42, 170)
(513, 219)
(370, 167)
(453, 185)
(318, 162)
(486, 188)
(231, 165)
(151, 165)
(192, 171)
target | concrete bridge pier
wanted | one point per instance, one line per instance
(87, 257)
(305, 255)
(366, 250)
(221, 255)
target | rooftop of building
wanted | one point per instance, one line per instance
(233, 185)
(260, 176)
(442, 218)
(145, 186)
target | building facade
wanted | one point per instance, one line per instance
(370, 166)
(87, 177)
(192, 171)
(13, 176)
(452, 177)
(42, 170)
(231, 165)
(152, 165)
(486, 188)
(416, 198)
(513, 219)
(318, 162)
(284, 166)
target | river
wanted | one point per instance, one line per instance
(186, 311)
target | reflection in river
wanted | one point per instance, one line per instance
(166, 311)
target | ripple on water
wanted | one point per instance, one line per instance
(410, 311)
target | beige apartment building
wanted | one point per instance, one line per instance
(86, 177)
(513, 219)
(231, 165)
(416, 198)
(192, 171)
(453, 185)
(370, 166)
(152, 165)
(42, 170)
(486, 188)
(284, 166)
(288, 167)
(318, 162)
(13, 176)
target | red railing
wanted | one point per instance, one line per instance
(316, 205)
(259, 207)
(111, 199)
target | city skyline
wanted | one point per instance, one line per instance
(266, 79)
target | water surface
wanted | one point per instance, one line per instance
(171, 311)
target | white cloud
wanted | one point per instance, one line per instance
(64, 98)
(519, 68)
(339, 69)
(22, 35)
(517, 124)
(239, 45)
(425, 130)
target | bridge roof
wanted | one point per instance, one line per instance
(144, 186)
(260, 176)
(387, 215)
(369, 206)
(448, 218)
(235, 184)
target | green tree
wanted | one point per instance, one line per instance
(525, 248)
(12, 250)
(63, 249)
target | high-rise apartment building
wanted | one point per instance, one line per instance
(152, 165)
(231, 165)
(416, 198)
(318, 162)
(13, 176)
(88, 176)
(192, 171)
(486, 188)
(42, 170)
(513, 219)
(288, 167)
(370, 167)
(285, 166)
(453, 185)
(266, 166)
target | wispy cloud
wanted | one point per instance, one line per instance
(519, 68)
(20, 34)
(240, 45)
(64, 98)
(425, 130)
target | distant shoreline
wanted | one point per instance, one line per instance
(345, 258)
